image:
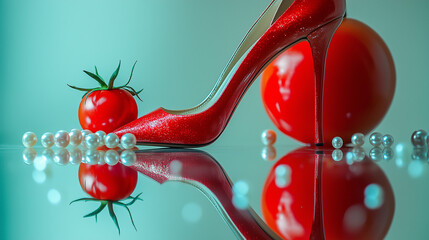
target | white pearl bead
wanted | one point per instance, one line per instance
(269, 153)
(128, 141)
(75, 137)
(111, 157)
(358, 154)
(62, 156)
(62, 139)
(48, 155)
(75, 156)
(92, 156)
(29, 139)
(419, 153)
(92, 140)
(375, 139)
(268, 137)
(47, 140)
(111, 140)
(101, 135)
(418, 138)
(84, 150)
(337, 142)
(28, 155)
(337, 155)
(128, 157)
(376, 154)
(388, 154)
(358, 139)
(102, 155)
(84, 133)
(388, 140)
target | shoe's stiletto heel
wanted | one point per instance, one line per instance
(282, 24)
(319, 42)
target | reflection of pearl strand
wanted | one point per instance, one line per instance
(92, 156)
(77, 137)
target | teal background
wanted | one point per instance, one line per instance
(181, 47)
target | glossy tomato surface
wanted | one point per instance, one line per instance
(359, 85)
(288, 209)
(107, 110)
(107, 182)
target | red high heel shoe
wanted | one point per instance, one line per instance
(281, 25)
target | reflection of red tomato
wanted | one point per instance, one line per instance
(289, 210)
(359, 85)
(107, 182)
(107, 110)
(343, 194)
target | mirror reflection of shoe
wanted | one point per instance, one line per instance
(199, 169)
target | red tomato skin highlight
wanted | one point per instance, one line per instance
(105, 182)
(107, 110)
(359, 85)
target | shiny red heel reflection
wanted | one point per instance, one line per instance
(202, 171)
(318, 228)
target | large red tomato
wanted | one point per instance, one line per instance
(289, 208)
(359, 85)
(105, 182)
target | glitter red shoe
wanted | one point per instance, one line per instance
(281, 25)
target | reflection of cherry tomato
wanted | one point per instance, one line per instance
(359, 85)
(107, 110)
(289, 210)
(107, 182)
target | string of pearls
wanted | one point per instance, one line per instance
(358, 139)
(76, 137)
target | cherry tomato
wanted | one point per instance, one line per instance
(359, 85)
(107, 107)
(107, 110)
(107, 182)
(288, 209)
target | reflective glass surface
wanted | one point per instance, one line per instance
(252, 192)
